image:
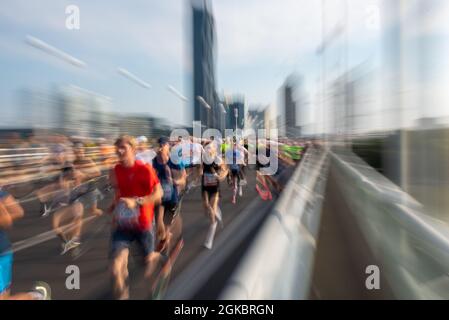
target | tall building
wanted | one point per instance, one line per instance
(204, 65)
(38, 109)
(256, 119)
(83, 111)
(66, 109)
(290, 106)
(269, 122)
(287, 123)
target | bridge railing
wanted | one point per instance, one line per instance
(18, 165)
(279, 263)
(411, 247)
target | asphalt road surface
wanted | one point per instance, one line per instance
(37, 250)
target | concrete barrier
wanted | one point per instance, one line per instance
(279, 263)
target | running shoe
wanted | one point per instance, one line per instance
(45, 211)
(69, 245)
(210, 236)
(41, 291)
(76, 241)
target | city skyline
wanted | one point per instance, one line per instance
(141, 53)
(142, 57)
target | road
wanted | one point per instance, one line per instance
(37, 255)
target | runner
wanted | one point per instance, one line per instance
(196, 152)
(10, 211)
(265, 180)
(51, 170)
(173, 180)
(214, 170)
(87, 171)
(68, 209)
(137, 191)
(235, 157)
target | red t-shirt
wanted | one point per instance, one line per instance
(137, 181)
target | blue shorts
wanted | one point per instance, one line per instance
(235, 171)
(5, 271)
(122, 239)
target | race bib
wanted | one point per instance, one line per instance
(125, 217)
(210, 180)
(168, 191)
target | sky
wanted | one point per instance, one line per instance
(259, 44)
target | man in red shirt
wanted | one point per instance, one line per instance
(137, 191)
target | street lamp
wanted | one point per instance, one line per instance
(177, 93)
(236, 115)
(203, 102)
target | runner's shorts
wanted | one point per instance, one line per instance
(123, 239)
(5, 271)
(235, 172)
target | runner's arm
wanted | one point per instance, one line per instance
(10, 210)
(180, 177)
(154, 197)
(113, 182)
(5, 218)
(223, 172)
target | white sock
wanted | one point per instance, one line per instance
(218, 214)
(210, 235)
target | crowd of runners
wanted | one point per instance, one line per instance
(143, 184)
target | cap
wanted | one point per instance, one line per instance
(163, 140)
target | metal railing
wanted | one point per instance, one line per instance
(279, 263)
(27, 164)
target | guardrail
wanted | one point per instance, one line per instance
(279, 263)
(26, 164)
(411, 247)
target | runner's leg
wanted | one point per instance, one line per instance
(120, 274)
(77, 211)
(213, 203)
(59, 216)
(207, 207)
